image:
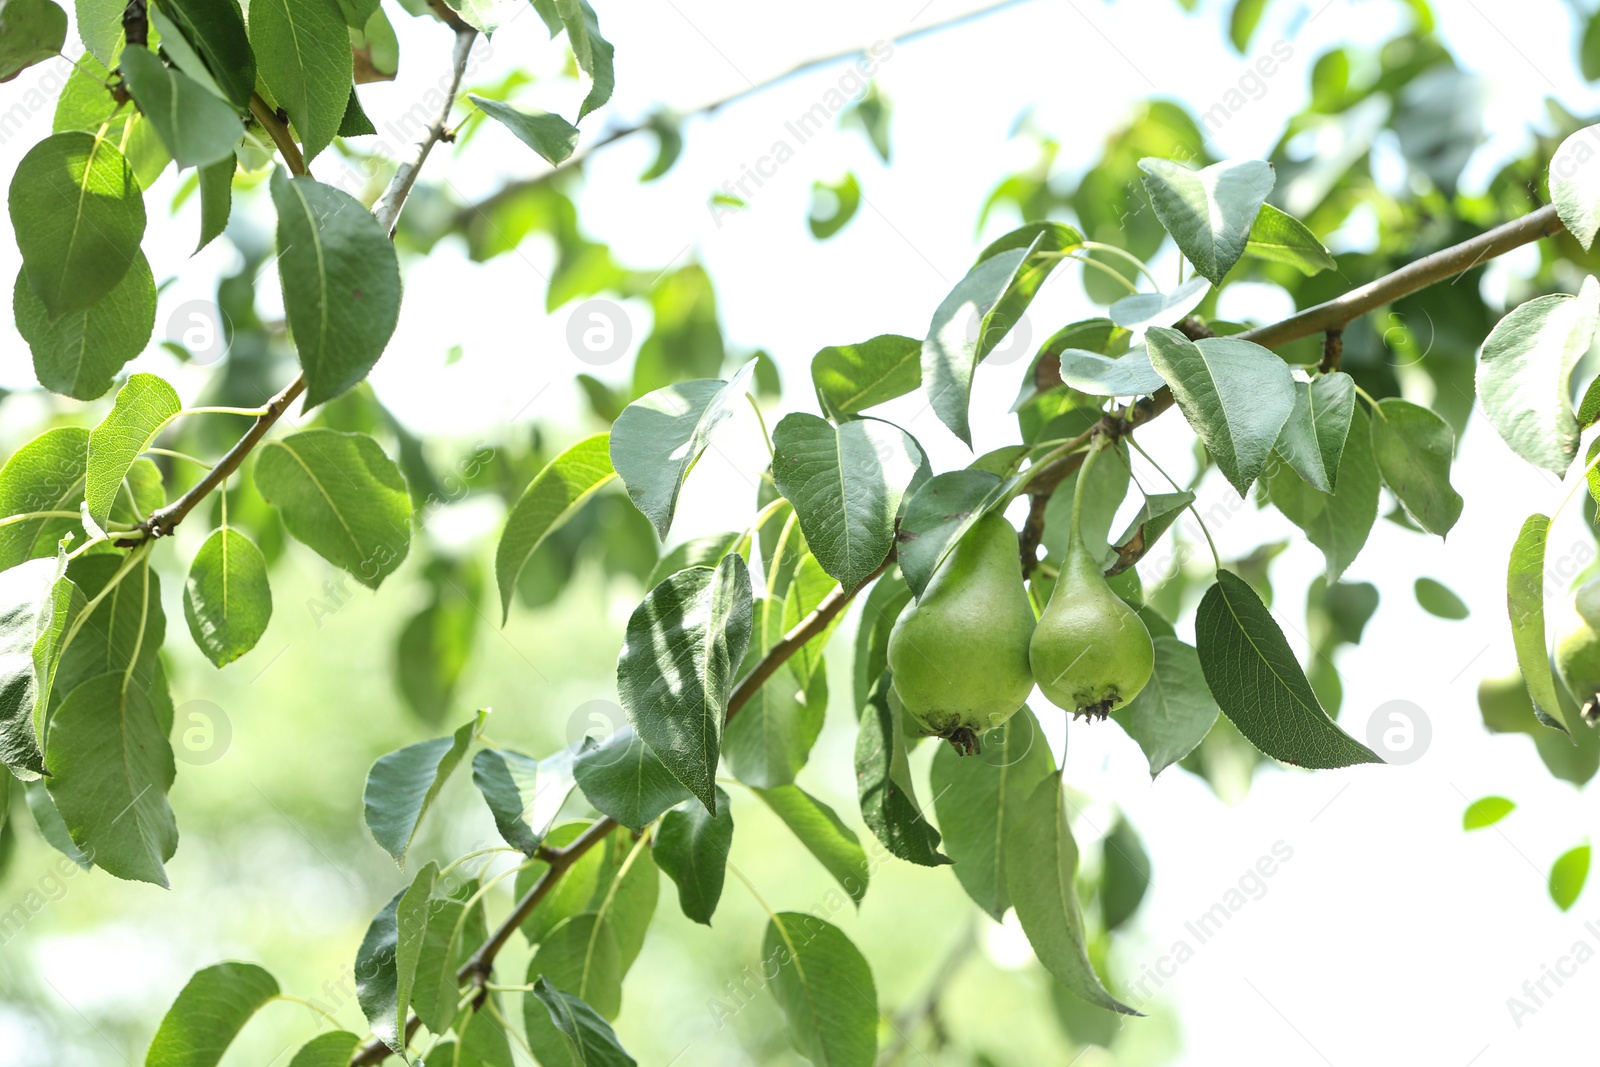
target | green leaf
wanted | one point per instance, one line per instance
(809, 586)
(1281, 238)
(144, 406)
(937, 516)
(1567, 875)
(1154, 517)
(1486, 811)
(659, 437)
(217, 32)
(35, 598)
(333, 1049)
(1242, 22)
(44, 475)
(841, 199)
(402, 785)
(1437, 599)
(581, 953)
(1525, 602)
(450, 935)
(978, 797)
(770, 740)
(592, 51)
(126, 628)
(51, 826)
(554, 496)
(342, 497)
(552, 136)
(411, 931)
(1124, 874)
(592, 1041)
(1525, 371)
(31, 31)
(852, 378)
(302, 54)
(79, 216)
(825, 988)
(112, 767)
(1209, 212)
(216, 199)
(227, 600)
(1413, 448)
(846, 483)
(676, 668)
(820, 830)
(691, 845)
(1127, 375)
(623, 778)
(1041, 861)
(522, 800)
(965, 329)
(79, 353)
(704, 551)
(355, 122)
(377, 979)
(209, 1013)
(197, 127)
(883, 778)
(341, 280)
(882, 607)
(1138, 310)
(1574, 177)
(1313, 440)
(1255, 679)
(1174, 711)
(1339, 523)
(1236, 394)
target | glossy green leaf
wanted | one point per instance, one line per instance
(112, 766)
(1154, 518)
(592, 1041)
(1313, 440)
(197, 127)
(341, 280)
(51, 826)
(825, 988)
(1208, 212)
(450, 934)
(978, 797)
(1243, 21)
(340, 496)
(823, 834)
(302, 54)
(554, 496)
(377, 980)
(44, 475)
(833, 205)
(1124, 874)
(883, 779)
(593, 52)
(1525, 602)
(1567, 875)
(333, 1049)
(1138, 310)
(852, 378)
(659, 437)
(216, 199)
(144, 406)
(78, 354)
(936, 516)
(1255, 679)
(513, 788)
(770, 740)
(228, 600)
(1175, 709)
(623, 778)
(846, 483)
(209, 1013)
(1413, 448)
(691, 845)
(552, 136)
(31, 31)
(35, 600)
(1128, 375)
(1236, 394)
(122, 635)
(402, 786)
(217, 32)
(1041, 860)
(1281, 238)
(1437, 599)
(1525, 371)
(1337, 523)
(79, 215)
(1486, 811)
(677, 668)
(880, 610)
(581, 953)
(411, 932)
(1574, 175)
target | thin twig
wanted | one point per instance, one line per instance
(387, 209)
(279, 132)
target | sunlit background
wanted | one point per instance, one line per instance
(1389, 935)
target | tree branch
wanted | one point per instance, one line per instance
(620, 133)
(279, 132)
(387, 209)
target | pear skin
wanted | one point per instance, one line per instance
(1090, 653)
(1578, 649)
(960, 653)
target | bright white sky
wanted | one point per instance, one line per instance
(1390, 929)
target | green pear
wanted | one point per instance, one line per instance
(960, 653)
(1090, 653)
(1578, 649)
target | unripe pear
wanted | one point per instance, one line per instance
(1090, 653)
(1578, 649)
(960, 653)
